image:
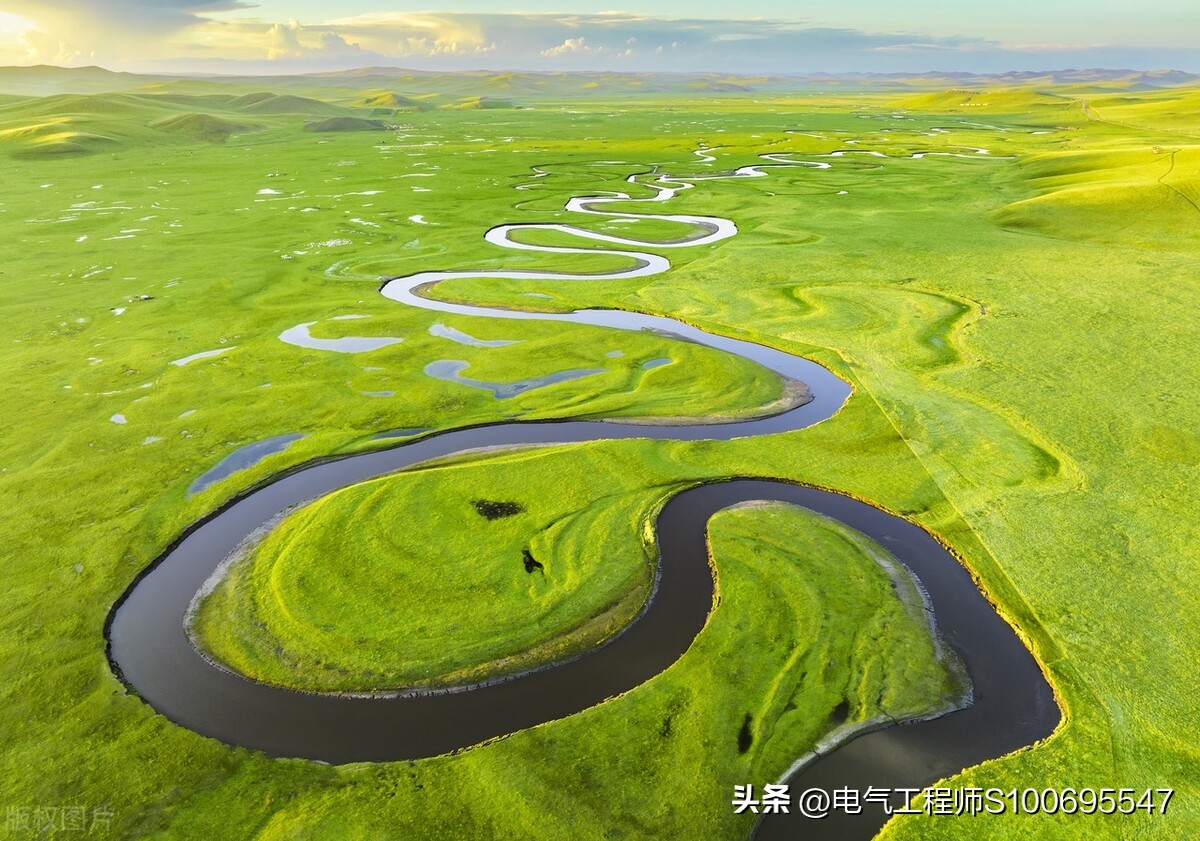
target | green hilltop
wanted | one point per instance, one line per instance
(201, 126)
(345, 124)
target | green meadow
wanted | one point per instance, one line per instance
(1018, 326)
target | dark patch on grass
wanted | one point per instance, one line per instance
(745, 737)
(494, 510)
(531, 564)
(678, 707)
(840, 713)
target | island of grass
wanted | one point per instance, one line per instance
(423, 580)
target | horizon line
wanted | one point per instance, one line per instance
(578, 72)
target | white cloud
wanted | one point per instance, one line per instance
(68, 31)
(441, 47)
(154, 34)
(572, 46)
(43, 48)
(11, 24)
(293, 40)
(283, 40)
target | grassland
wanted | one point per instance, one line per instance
(1020, 333)
(421, 545)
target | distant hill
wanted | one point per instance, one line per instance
(971, 99)
(250, 99)
(78, 124)
(52, 139)
(1078, 81)
(476, 103)
(52, 111)
(44, 79)
(356, 88)
(1142, 195)
(285, 104)
(557, 83)
(345, 124)
(85, 106)
(389, 100)
(201, 126)
(73, 124)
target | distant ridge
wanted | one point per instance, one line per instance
(404, 87)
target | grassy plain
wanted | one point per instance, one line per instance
(417, 547)
(1020, 332)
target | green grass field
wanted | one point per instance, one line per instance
(588, 535)
(1019, 329)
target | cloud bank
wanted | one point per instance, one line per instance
(223, 36)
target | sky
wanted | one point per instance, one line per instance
(767, 36)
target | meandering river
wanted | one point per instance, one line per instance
(151, 651)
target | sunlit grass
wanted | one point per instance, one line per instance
(1020, 333)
